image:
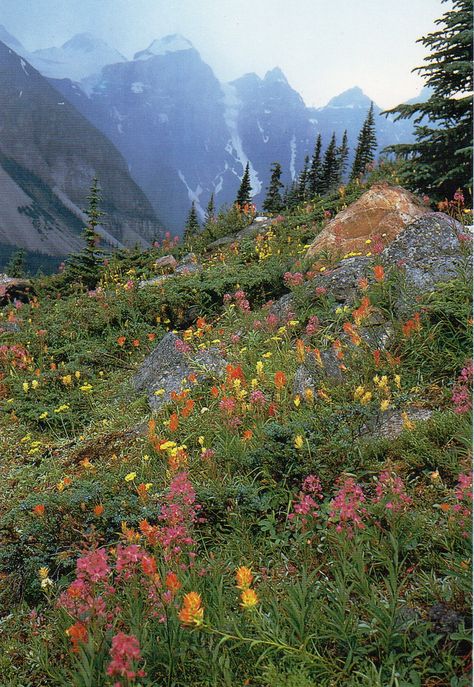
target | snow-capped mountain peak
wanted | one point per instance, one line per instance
(162, 46)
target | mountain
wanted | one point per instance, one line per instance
(81, 57)
(185, 135)
(49, 154)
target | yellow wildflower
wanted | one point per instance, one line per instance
(248, 598)
(299, 441)
(130, 477)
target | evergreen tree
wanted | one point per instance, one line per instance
(192, 226)
(210, 216)
(330, 169)
(290, 196)
(273, 202)
(342, 155)
(303, 181)
(314, 173)
(440, 159)
(16, 266)
(85, 265)
(245, 189)
(366, 145)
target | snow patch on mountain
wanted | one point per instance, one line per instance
(193, 195)
(163, 46)
(232, 106)
(293, 157)
(137, 87)
(262, 131)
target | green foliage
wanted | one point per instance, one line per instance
(192, 226)
(16, 267)
(366, 146)
(244, 194)
(273, 202)
(84, 267)
(440, 159)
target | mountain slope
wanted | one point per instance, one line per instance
(49, 154)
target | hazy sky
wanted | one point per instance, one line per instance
(323, 46)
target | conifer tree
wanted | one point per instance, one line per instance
(314, 173)
(440, 159)
(303, 181)
(342, 155)
(329, 176)
(245, 190)
(273, 202)
(210, 216)
(366, 145)
(192, 226)
(85, 265)
(16, 266)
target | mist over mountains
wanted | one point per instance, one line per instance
(182, 133)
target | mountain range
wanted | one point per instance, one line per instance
(181, 132)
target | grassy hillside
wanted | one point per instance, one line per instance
(260, 528)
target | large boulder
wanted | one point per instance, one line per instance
(432, 249)
(14, 290)
(382, 211)
(167, 368)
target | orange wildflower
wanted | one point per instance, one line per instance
(98, 510)
(215, 391)
(243, 577)
(363, 283)
(351, 332)
(149, 565)
(172, 583)
(121, 340)
(300, 351)
(379, 273)
(192, 612)
(136, 343)
(362, 311)
(280, 379)
(151, 336)
(39, 510)
(77, 634)
(247, 435)
(412, 325)
(248, 598)
(174, 422)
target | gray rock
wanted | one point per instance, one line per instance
(188, 265)
(9, 327)
(168, 368)
(283, 308)
(391, 425)
(429, 250)
(342, 281)
(310, 374)
(154, 281)
(445, 620)
(258, 226)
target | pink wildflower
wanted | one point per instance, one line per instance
(313, 325)
(346, 508)
(124, 651)
(462, 390)
(390, 491)
(93, 566)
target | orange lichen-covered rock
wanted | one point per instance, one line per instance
(383, 211)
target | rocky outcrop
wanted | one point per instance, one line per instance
(382, 211)
(14, 290)
(432, 249)
(167, 368)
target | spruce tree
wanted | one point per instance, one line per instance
(342, 155)
(314, 173)
(273, 202)
(329, 176)
(192, 226)
(85, 265)
(303, 181)
(16, 266)
(210, 216)
(366, 145)
(440, 159)
(245, 190)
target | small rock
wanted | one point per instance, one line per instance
(188, 265)
(154, 281)
(166, 261)
(342, 281)
(392, 424)
(284, 307)
(310, 374)
(167, 368)
(445, 620)
(12, 289)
